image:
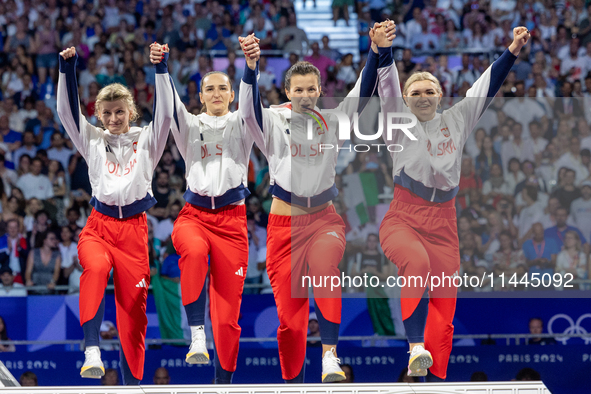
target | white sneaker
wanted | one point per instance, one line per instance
(93, 366)
(331, 371)
(198, 351)
(420, 361)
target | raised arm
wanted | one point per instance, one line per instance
(68, 103)
(250, 107)
(181, 118)
(163, 103)
(480, 95)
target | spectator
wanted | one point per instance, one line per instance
(558, 232)
(290, 37)
(34, 184)
(572, 260)
(28, 148)
(257, 251)
(513, 176)
(8, 288)
(567, 192)
(111, 377)
(495, 186)
(508, 258)
(11, 138)
(485, 160)
(479, 376)
(44, 262)
(266, 77)
(540, 252)
(9, 178)
(16, 249)
(320, 61)
(4, 337)
(536, 327)
(329, 52)
(349, 374)
(161, 194)
(468, 181)
(164, 228)
(108, 332)
(528, 374)
(338, 7)
(28, 379)
(161, 376)
(523, 109)
(313, 331)
(403, 377)
(426, 41)
(532, 212)
(71, 268)
(58, 151)
(580, 210)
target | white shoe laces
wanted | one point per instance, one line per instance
(330, 359)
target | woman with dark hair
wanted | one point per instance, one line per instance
(44, 262)
(306, 236)
(4, 337)
(487, 157)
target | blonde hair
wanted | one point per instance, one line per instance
(421, 76)
(115, 92)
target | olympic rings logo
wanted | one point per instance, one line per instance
(574, 327)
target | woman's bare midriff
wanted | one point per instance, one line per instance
(282, 208)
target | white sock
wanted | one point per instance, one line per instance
(195, 329)
(93, 347)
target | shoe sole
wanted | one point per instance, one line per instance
(418, 365)
(333, 377)
(92, 372)
(197, 358)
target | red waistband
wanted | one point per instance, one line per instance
(299, 220)
(228, 210)
(139, 218)
(402, 194)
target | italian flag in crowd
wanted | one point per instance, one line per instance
(172, 320)
(360, 191)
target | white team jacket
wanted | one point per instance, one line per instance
(300, 172)
(216, 153)
(430, 166)
(120, 167)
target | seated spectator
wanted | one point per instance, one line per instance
(10, 137)
(313, 331)
(161, 194)
(8, 288)
(290, 37)
(164, 228)
(170, 266)
(487, 157)
(59, 151)
(496, 186)
(479, 376)
(349, 374)
(108, 332)
(9, 176)
(15, 246)
(508, 258)
(540, 252)
(468, 181)
(161, 376)
(528, 374)
(4, 337)
(111, 377)
(580, 210)
(470, 256)
(44, 262)
(549, 218)
(532, 213)
(320, 61)
(28, 148)
(513, 176)
(558, 232)
(35, 184)
(568, 192)
(28, 379)
(572, 259)
(536, 327)
(71, 268)
(573, 160)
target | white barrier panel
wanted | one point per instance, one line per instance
(371, 388)
(6, 378)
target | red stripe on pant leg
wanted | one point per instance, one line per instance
(323, 255)
(404, 247)
(293, 312)
(131, 267)
(229, 253)
(193, 246)
(95, 257)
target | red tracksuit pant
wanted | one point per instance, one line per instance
(121, 244)
(221, 234)
(310, 245)
(421, 238)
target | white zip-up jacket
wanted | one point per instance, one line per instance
(300, 172)
(216, 154)
(430, 166)
(121, 166)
